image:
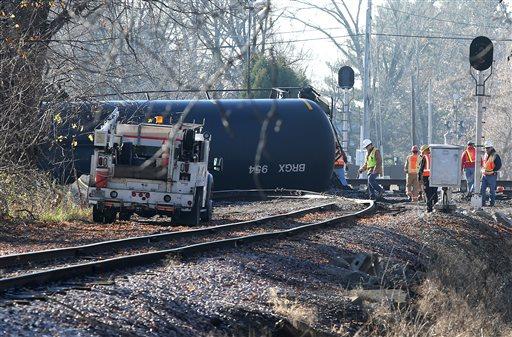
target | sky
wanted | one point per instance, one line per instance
(320, 51)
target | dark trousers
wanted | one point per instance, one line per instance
(430, 193)
(374, 189)
(488, 181)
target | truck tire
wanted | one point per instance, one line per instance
(97, 215)
(207, 212)
(109, 215)
(125, 216)
(192, 217)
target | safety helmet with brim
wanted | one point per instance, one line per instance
(365, 143)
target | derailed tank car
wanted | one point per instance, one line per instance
(259, 144)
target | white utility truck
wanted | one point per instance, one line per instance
(150, 169)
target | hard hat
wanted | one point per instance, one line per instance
(366, 142)
(488, 143)
(414, 148)
(424, 147)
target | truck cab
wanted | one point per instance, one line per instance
(150, 169)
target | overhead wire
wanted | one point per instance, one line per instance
(438, 19)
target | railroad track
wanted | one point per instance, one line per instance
(65, 263)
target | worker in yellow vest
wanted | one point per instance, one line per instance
(373, 166)
(491, 163)
(411, 167)
(424, 175)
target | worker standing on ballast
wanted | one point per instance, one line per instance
(412, 183)
(468, 165)
(340, 164)
(491, 163)
(424, 175)
(373, 166)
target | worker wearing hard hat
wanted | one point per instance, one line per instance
(411, 166)
(468, 165)
(424, 175)
(491, 163)
(373, 166)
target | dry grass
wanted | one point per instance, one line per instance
(294, 311)
(467, 291)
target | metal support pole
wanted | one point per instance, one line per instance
(476, 200)
(413, 112)
(366, 78)
(344, 121)
(429, 139)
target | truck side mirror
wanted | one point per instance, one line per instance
(218, 164)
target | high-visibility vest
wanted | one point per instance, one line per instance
(488, 164)
(371, 160)
(339, 163)
(412, 163)
(471, 159)
(426, 168)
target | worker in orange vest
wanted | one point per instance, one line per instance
(468, 165)
(424, 175)
(340, 165)
(491, 163)
(412, 183)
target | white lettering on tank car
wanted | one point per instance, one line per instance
(258, 169)
(287, 168)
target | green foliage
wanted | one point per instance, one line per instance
(31, 195)
(66, 211)
(274, 71)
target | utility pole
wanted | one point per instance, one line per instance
(429, 99)
(366, 78)
(249, 28)
(413, 112)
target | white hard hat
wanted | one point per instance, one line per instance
(488, 143)
(366, 142)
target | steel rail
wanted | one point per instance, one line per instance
(267, 194)
(128, 261)
(77, 251)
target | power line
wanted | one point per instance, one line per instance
(442, 37)
(438, 19)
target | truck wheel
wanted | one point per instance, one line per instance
(193, 216)
(109, 215)
(125, 216)
(97, 214)
(207, 213)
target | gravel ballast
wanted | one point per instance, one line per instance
(230, 292)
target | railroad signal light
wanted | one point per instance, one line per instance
(346, 77)
(159, 119)
(481, 53)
